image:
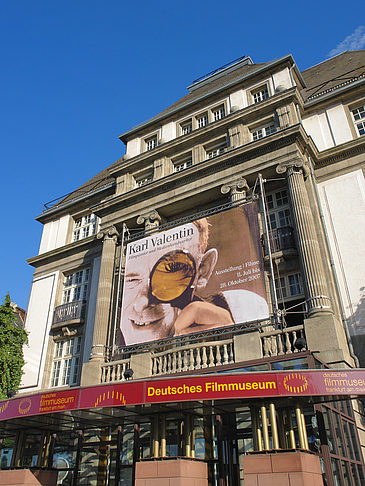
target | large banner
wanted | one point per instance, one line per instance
(223, 386)
(194, 277)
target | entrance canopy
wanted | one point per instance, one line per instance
(221, 386)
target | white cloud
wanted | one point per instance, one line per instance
(354, 41)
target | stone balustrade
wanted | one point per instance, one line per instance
(283, 342)
(114, 371)
(206, 355)
(188, 358)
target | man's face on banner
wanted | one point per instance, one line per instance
(148, 312)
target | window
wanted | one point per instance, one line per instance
(144, 179)
(218, 113)
(278, 210)
(215, 150)
(84, 227)
(182, 163)
(289, 286)
(260, 95)
(151, 143)
(359, 119)
(202, 120)
(75, 286)
(66, 362)
(263, 131)
(186, 127)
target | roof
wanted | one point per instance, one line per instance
(334, 73)
(319, 80)
(211, 85)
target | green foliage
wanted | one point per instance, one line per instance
(12, 338)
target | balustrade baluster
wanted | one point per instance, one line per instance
(198, 358)
(218, 354)
(225, 354)
(294, 334)
(211, 357)
(153, 366)
(288, 349)
(164, 364)
(173, 361)
(191, 364)
(204, 355)
(274, 346)
(178, 361)
(280, 344)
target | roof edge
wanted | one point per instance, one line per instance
(157, 118)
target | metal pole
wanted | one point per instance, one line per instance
(274, 427)
(118, 286)
(192, 437)
(291, 429)
(135, 451)
(163, 436)
(305, 437)
(78, 457)
(187, 436)
(272, 286)
(156, 444)
(117, 459)
(298, 415)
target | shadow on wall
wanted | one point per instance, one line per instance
(357, 329)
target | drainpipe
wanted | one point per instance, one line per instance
(333, 268)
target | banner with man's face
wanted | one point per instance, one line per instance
(194, 277)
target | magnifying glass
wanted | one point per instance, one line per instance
(172, 276)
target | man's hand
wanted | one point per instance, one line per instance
(201, 316)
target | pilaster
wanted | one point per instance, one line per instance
(162, 167)
(235, 136)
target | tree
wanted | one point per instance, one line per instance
(12, 339)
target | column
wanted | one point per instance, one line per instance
(151, 220)
(104, 297)
(237, 189)
(307, 242)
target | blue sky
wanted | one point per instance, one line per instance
(77, 74)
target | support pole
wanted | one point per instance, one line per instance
(305, 437)
(117, 459)
(187, 436)
(291, 429)
(192, 437)
(274, 427)
(80, 440)
(298, 415)
(156, 444)
(265, 428)
(163, 436)
(274, 298)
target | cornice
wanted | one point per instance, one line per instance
(176, 145)
(341, 152)
(64, 251)
(250, 151)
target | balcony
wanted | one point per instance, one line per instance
(69, 312)
(281, 239)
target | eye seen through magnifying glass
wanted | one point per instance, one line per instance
(172, 275)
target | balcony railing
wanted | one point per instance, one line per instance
(70, 311)
(281, 239)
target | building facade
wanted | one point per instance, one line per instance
(271, 159)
